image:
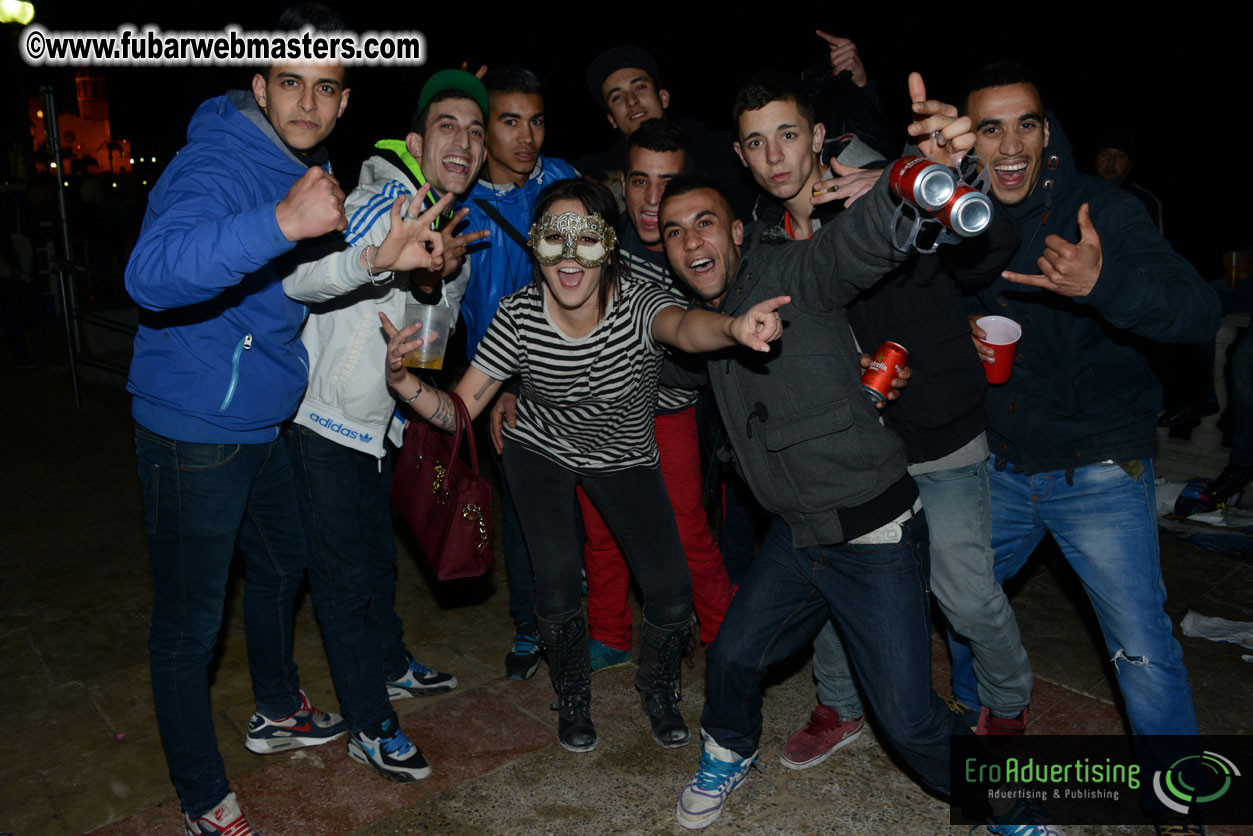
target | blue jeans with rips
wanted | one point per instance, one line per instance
(200, 502)
(1106, 525)
(957, 505)
(877, 594)
(345, 502)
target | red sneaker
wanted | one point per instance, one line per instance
(989, 724)
(823, 734)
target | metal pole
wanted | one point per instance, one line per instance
(69, 301)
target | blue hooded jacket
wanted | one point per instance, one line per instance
(218, 358)
(498, 265)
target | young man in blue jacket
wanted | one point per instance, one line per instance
(1072, 432)
(218, 367)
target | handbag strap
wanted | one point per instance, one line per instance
(510, 229)
(463, 422)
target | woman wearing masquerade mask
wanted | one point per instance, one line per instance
(588, 348)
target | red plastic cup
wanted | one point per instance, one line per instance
(1002, 336)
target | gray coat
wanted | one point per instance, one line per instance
(806, 435)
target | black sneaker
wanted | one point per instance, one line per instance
(1227, 489)
(1188, 415)
(1174, 824)
(389, 751)
(419, 681)
(523, 660)
(968, 715)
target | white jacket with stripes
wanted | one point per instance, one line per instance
(347, 399)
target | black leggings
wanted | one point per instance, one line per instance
(633, 503)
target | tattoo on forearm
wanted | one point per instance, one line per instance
(444, 416)
(487, 384)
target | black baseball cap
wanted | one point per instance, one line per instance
(618, 58)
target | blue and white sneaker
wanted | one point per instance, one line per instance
(523, 658)
(419, 681)
(392, 754)
(605, 657)
(720, 772)
(306, 726)
(1024, 830)
(1022, 810)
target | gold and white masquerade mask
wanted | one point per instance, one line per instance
(585, 238)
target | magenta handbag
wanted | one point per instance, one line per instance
(444, 501)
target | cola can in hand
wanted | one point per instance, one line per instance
(885, 366)
(968, 213)
(924, 183)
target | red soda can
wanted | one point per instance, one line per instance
(885, 367)
(968, 213)
(922, 182)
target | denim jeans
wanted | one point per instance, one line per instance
(633, 503)
(877, 594)
(345, 502)
(200, 502)
(1242, 402)
(957, 506)
(1106, 526)
(836, 686)
(519, 573)
(741, 521)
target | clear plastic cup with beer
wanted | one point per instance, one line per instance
(436, 323)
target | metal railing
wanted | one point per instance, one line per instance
(76, 316)
(68, 271)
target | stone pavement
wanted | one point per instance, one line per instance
(79, 751)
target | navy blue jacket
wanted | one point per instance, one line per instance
(1081, 390)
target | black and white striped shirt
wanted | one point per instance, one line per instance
(644, 270)
(586, 403)
(645, 266)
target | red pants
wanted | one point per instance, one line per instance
(608, 580)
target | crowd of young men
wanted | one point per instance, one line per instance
(258, 384)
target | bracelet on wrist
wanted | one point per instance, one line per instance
(369, 264)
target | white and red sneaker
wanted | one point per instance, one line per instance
(223, 820)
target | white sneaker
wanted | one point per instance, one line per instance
(223, 820)
(720, 772)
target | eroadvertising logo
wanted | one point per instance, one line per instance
(1110, 780)
(1194, 781)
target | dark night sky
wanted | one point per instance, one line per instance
(1173, 85)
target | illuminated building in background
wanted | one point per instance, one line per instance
(87, 144)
